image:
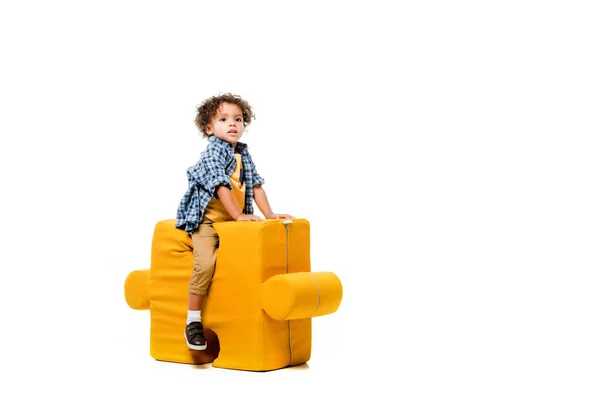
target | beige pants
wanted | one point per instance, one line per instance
(206, 243)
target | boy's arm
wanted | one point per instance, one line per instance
(226, 198)
(260, 197)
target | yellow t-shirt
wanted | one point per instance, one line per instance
(215, 210)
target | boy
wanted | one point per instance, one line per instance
(221, 187)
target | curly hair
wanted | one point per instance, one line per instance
(208, 109)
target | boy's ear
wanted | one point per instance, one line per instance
(208, 130)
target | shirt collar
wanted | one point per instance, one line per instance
(241, 147)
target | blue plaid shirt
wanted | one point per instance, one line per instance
(214, 168)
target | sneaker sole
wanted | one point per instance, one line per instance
(191, 346)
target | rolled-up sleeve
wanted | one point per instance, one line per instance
(214, 172)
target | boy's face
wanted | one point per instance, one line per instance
(227, 124)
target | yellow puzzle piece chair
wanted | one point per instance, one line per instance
(258, 311)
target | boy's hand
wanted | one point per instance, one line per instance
(277, 216)
(248, 217)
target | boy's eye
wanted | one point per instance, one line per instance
(223, 119)
(238, 119)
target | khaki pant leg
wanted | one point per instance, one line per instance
(206, 242)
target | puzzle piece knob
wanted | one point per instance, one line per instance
(301, 295)
(136, 289)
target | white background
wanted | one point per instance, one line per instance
(445, 153)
